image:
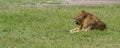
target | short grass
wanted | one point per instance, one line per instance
(25, 27)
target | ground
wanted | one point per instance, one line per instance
(48, 27)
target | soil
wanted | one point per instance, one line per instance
(75, 3)
(92, 2)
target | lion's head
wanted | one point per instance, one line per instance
(80, 17)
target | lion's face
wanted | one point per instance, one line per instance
(80, 18)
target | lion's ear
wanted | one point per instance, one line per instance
(83, 12)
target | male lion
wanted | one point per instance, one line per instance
(87, 21)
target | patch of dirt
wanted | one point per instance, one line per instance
(92, 2)
(75, 3)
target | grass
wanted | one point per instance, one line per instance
(25, 27)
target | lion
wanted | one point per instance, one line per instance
(87, 21)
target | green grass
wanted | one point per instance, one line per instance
(25, 27)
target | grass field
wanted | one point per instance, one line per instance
(25, 27)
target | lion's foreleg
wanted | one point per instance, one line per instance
(86, 28)
(77, 29)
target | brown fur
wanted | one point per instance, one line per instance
(88, 21)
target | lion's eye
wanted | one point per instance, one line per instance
(79, 18)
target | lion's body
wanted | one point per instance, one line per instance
(88, 21)
(93, 23)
